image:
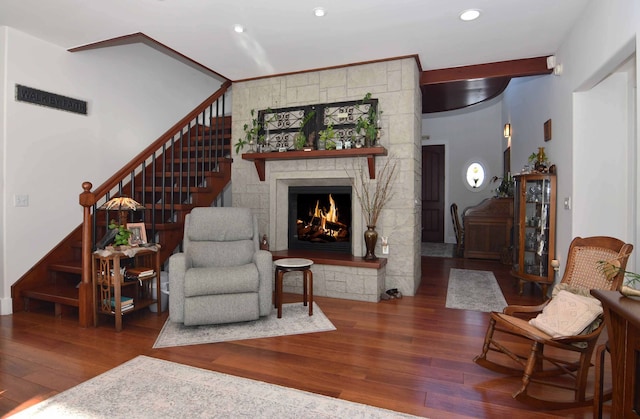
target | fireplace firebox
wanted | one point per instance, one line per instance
(320, 218)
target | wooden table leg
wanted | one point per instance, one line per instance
(279, 280)
(310, 285)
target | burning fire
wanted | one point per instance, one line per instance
(331, 215)
(324, 225)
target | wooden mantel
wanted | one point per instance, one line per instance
(369, 152)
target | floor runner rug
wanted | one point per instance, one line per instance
(440, 250)
(474, 290)
(295, 320)
(147, 387)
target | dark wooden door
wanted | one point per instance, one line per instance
(433, 214)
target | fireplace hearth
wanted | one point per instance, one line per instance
(320, 218)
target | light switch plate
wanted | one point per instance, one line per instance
(21, 200)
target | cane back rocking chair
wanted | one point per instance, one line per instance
(583, 272)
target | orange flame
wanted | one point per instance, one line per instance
(331, 215)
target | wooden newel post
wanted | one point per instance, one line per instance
(85, 292)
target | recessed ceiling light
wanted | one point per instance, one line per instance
(319, 11)
(238, 28)
(471, 14)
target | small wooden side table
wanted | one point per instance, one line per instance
(108, 281)
(294, 265)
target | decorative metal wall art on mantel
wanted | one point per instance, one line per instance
(317, 127)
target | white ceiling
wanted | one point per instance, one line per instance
(284, 36)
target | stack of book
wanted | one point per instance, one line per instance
(139, 272)
(126, 304)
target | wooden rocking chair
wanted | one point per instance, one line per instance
(583, 272)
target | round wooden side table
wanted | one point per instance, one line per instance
(294, 265)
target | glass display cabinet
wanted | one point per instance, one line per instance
(534, 229)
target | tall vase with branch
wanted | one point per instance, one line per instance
(373, 195)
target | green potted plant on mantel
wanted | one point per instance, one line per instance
(300, 139)
(368, 123)
(327, 137)
(252, 134)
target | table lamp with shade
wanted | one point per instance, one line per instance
(119, 233)
(123, 204)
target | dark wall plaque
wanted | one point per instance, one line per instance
(50, 100)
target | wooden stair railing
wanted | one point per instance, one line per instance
(188, 166)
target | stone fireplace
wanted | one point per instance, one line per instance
(395, 83)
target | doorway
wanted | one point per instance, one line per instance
(433, 193)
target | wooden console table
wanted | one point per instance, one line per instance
(369, 152)
(622, 317)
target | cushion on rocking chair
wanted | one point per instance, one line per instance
(567, 314)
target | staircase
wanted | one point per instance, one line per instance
(187, 167)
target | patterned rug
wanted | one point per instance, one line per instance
(295, 320)
(152, 388)
(440, 250)
(474, 290)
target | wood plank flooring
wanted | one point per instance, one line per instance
(411, 355)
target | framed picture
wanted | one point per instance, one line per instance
(138, 233)
(547, 130)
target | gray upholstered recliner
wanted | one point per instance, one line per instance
(222, 276)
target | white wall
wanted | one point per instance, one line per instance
(467, 134)
(3, 158)
(134, 94)
(600, 159)
(587, 56)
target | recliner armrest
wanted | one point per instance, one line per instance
(177, 268)
(264, 263)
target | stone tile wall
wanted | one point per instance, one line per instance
(395, 84)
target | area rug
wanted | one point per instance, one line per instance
(295, 320)
(147, 387)
(474, 290)
(440, 250)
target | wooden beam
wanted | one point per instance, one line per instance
(513, 68)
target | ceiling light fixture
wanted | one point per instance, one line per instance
(471, 14)
(238, 28)
(319, 11)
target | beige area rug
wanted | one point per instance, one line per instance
(152, 388)
(295, 320)
(474, 290)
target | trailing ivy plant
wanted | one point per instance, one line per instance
(301, 138)
(367, 124)
(251, 133)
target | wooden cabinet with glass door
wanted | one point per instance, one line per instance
(534, 229)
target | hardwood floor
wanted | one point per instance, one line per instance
(411, 355)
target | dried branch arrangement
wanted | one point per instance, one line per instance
(373, 195)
